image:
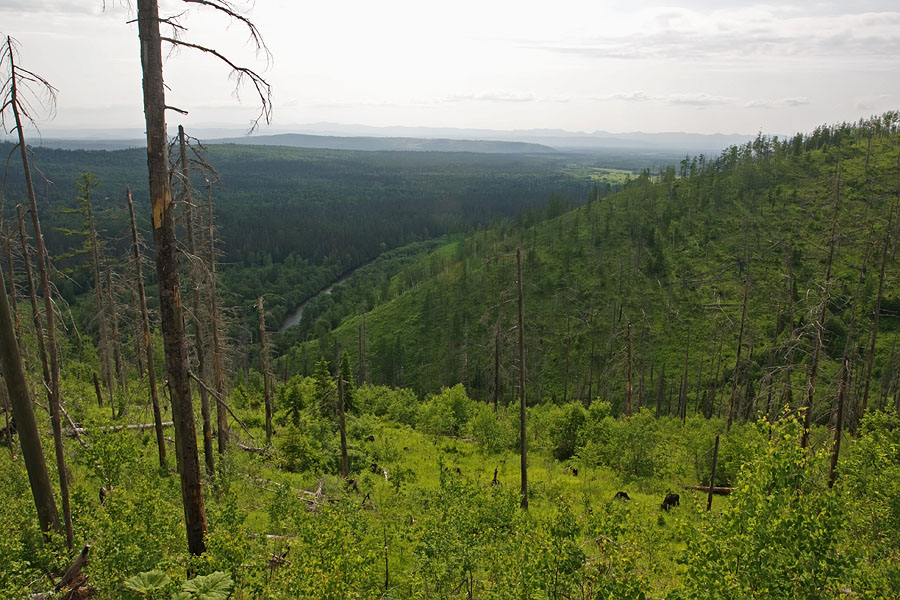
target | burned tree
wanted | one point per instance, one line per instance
(148, 348)
(163, 223)
(12, 102)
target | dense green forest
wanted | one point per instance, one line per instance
(291, 220)
(664, 263)
(676, 333)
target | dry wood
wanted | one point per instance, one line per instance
(523, 441)
(222, 403)
(44, 263)
(196, 277)
(148, 348)
(720, 491)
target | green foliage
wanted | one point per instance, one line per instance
(446, 413)
(779, 536)
(146, 583)
(110, 455)
(215, 586)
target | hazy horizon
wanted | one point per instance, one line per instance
(696, 67)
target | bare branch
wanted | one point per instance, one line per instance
(231, 11)
(240, 74)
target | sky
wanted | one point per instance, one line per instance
(695, 66)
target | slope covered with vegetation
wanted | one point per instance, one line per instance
(661, 267)
(391, 473)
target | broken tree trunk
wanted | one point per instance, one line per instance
(196, 277)
(26, 423)
(163, 222)
(44, 263)
(148, 348)
(523, 439)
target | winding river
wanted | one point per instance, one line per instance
(294, 317)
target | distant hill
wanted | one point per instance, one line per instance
(388, 143)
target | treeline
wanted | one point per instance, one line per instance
(652, 281)
(291, 219)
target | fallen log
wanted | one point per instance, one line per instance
(221, 401)
(261, 451)
(721, 491)
(72, 432)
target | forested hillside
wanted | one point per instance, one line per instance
(291, 220)
(674, 336)
(662, 267)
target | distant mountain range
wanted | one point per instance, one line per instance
(338, 136)
(389, 143)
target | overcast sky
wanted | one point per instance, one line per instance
(698, 65)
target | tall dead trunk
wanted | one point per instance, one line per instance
(789, 386)
(820, 325)
(44, 263)
(12, 285)
(116, 348)
(26, 423)
(568, 350)
(138, 337)
(363, 375)
(214, 324)
(103, 341)
(682, 400)
(342, 423)
(737, 359)
(148, 347)
(163, 221)
(267, 376)
(196, 276)
(628, 368)
(871, 355)
(495, 392)
(523, 439)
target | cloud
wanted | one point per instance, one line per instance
(777, 102)
(491, 97)
(51, 6)
(876, 102)
(676, 99)
(744, 34)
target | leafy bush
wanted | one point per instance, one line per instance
(779, 535)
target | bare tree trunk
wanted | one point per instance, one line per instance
(712, 476)
(103, 342)
(345, 462)
(138, 337)
(117, 352)
(839, 422)
(196, 276)
(682, 400)
(214, 324)
(737, 359)
(871, 356)
(523, 439)
(163, 220)
(789, 386)
(148, 347)
(363, 376)
(820, 325)
(44, 262)
(267, 384)
(628, 377)
(496, 390)
(26, 424)
(12, 285)
(568, 350)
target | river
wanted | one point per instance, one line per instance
(294, 318)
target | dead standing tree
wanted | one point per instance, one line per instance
(163, 222)
(145, 326)
(197, 277)
(22, 80)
